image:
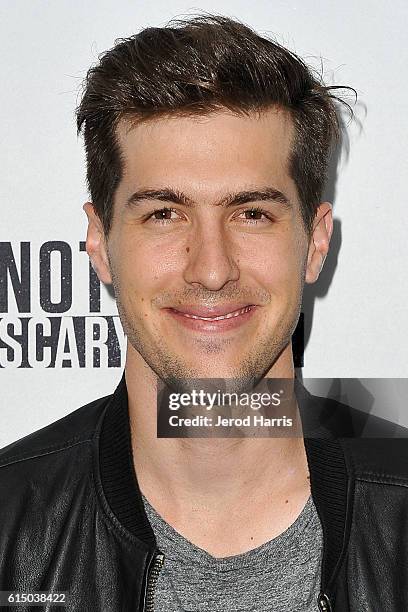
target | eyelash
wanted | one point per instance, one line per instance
(253, 209)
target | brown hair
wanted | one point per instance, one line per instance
(199, 65)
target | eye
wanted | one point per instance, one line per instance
(251, 216)
(255, 215)
(163, 215)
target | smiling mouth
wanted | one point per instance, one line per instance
(228, 315)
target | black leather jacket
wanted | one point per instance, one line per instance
(72, 519)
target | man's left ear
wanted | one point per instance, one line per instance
(319, 241)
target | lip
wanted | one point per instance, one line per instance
(204, 319)
(211, 311)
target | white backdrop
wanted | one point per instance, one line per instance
(359, 324)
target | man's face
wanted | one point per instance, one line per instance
(207, 251)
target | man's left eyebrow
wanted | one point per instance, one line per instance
(256, 195)
(176, 196)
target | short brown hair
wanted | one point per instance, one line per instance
(195, 66)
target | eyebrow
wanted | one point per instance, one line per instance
(175, 196)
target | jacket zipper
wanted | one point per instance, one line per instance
(153, 575)
(324, 603)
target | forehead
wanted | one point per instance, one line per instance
(220, 150)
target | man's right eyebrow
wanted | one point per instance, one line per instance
(172, 196)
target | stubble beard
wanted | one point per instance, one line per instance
(175, 372)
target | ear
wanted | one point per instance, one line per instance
(96, 245)
(319, 241)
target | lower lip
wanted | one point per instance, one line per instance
(221, 325)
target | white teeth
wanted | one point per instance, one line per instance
(229, 315)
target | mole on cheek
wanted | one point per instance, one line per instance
(187, 249)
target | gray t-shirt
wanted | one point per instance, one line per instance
(282, 575)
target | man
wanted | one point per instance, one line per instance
(207, 148)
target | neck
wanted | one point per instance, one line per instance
(212, 471)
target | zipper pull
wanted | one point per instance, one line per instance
(324, 603)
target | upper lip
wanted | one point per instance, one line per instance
(210, 311)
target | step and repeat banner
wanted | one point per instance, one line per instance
(39, 281)
(61, 341)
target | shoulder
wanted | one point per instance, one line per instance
(78, 427)
(373, 447)
(47, 488)
(41, 473)
(381, 459)
(378, 450)
(326, 417)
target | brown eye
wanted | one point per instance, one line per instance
(164, 213)
(163, 216)
(253, 214)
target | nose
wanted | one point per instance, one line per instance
(210, 261)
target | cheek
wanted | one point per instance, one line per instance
(145, 269)
(275, 264)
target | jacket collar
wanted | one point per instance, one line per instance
(329, 479)
(117, 471)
